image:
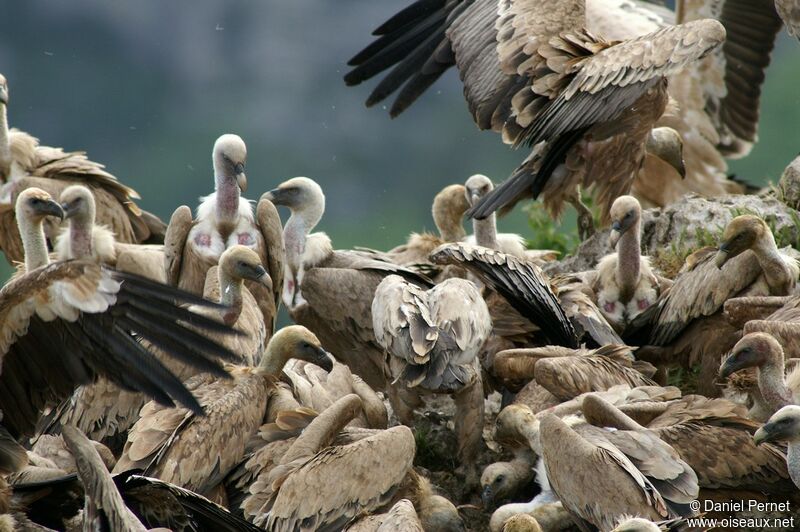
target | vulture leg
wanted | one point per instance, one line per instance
(585, 218)
(404, 401)
(469, 425)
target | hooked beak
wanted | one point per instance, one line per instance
(762, 435)
(722, 256)
(276, 196)
(616, 233)
(241, 178)
(69, 209)
(263, 277)
(731, 365)
(487, 497)
(52, 208)
(4, 96)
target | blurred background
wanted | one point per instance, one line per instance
(146, 88)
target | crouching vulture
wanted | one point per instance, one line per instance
(64, 323)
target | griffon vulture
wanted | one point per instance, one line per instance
(25, 163)
(330, 291)
(225, 219)
(65, 323)
(196, 453)
(533, 72)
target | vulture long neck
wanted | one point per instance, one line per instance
(629, 258)
(772, 383)
(230, 295)
(297, 229)
(5, 145)
(227, 199)
(776, 271)
(34, 242)
(793, 460)
(80, 235)
(486, 231)
(321, 431)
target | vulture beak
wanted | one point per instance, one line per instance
(763, 435)
(263, 277)
(734, 363)
(320, 357)
(69, 209)
(722, 255)
(276, 196)
(487, 497)
(616, 233)
(241, 178)
(4, 95)
(52, 208)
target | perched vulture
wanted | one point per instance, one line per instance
(225, 219)
(433, 339)
(196, 453)
(84, 239)
(687, 325)
(105, 412)
(784, 425)
(624, 284)
(330, 291)
(65, 323)
(25, 163)
(762, 351)
(533, 72)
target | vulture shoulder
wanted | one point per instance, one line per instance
(269, 223)
(175, 243)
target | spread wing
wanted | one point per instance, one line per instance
(522, 283)
(64, 324)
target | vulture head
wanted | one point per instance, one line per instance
(3, 90)
(784, 425)
(667, 144)
(240, 262)
(230, 157)
(477, 187)
(625, 212)
(295, 341)
(299, 194)
(512, 425)
(753, 350)
(522, 523)
(636, 524)
(78, 204)
(742, 233)
(498, 484)
(449, 206)
(34, 205)
(438, 513)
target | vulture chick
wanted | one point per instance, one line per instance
(535, 74)
(625, 284)
(597, 480)
(687, 323)
(302, 494)
(784, 425)
(330, 291)
(66, 323)
(105, 412)
(85, 239)
(485, 231)
(433, 339)
(763, 352)
(24, 163)
(225, 219)
(196, 453)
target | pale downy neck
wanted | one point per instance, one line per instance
(629, 251)
(5, 145)
(776, 271)
(275, 357)
(297, 228)
(34, 243)
(80, 236)
(450, 230)
(230, 295)
(321, 431)
(227, 198)
(772, 383)
(486, 231)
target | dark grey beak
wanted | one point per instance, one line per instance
(321, 358)
(241, 178)
(487, 497)
(4, 96)
(276, 196)
(69, 209)
(721, 257)
(52, 208)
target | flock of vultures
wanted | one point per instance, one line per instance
(145, 384)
